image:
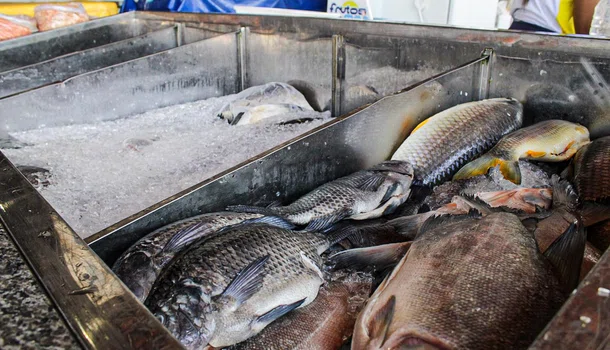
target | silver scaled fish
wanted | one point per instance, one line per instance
(441, 144)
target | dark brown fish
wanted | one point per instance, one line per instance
(470, 283)
(324, 324)
(591, 171)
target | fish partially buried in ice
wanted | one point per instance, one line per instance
(260, 102)
(365, 194)
(140, 265)
(322, 325)
(231, 286)
(441, 144)
(551, 141)
(455, 288)
(276, 114)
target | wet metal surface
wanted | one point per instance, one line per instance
(42, 46)
(63, 67)
(584, 321)
(94, 303)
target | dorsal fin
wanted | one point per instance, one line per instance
(442, 220)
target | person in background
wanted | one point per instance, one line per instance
(555, 16)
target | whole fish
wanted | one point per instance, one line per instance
(284, 97)
(441, 144)
(470, 283)
(324, 324)
(231, 286)
(591, 171)
(365, 194)
(140, 265)
(551, 141)
(276, 114)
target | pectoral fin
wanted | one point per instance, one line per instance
(277, 312)
(479, 166)
(535, 154)
(247, 282)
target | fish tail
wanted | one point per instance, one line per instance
(338, 235)
(408, 226)
(376, 258)
(563, 194)
(566, 254)
(480, 166)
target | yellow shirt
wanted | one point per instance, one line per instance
(555, 15)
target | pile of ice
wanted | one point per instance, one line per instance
(104, 172)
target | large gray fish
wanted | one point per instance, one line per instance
(365, 194)
(471, 283)
(231, 286)
(441, 144)
(324, 324)
(140, 265)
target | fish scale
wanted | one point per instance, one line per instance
(441, 144)
(141, 264)
(215, 263)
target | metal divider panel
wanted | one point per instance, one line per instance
(569, 87)
(302, 60)
(335, 149)
(42, 46)
(60, 68)
(187, 73)
(377, 65)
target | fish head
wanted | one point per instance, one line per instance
(380, 327)
(582, 138)
(141, 265)
(188, 315)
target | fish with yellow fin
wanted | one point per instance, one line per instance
(441, 144)
(550, 141)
